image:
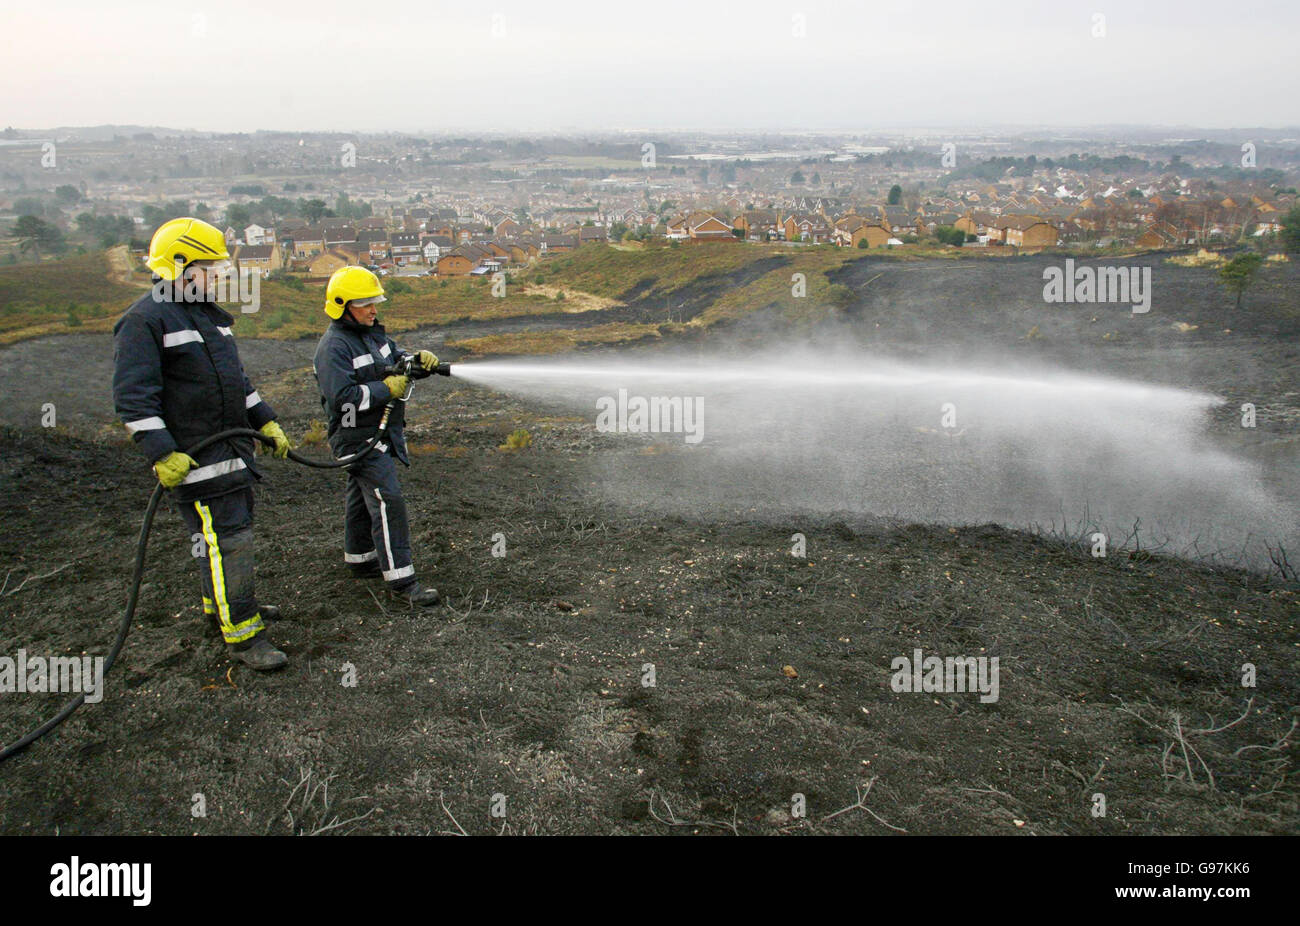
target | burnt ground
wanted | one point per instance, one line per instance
(1119, 676)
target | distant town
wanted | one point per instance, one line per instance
(465, 207)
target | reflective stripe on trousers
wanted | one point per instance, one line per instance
(226, 565)
(376, 526)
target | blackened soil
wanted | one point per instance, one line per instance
(771, 673)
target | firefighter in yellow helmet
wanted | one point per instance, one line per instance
(177, 379)
(352, 364)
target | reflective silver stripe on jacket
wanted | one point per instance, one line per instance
(177, 338)
(213, 470)
(359, 362)
(252, 399)
(145, 424)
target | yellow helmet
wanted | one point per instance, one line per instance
(181, 241)
(351, 284)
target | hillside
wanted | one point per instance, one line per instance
(1120, 675)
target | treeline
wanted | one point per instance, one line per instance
(272, 210)
(995, 168)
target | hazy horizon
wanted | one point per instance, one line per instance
(673, 66)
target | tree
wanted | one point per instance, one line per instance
(1291, 230)
(238, 216)
(35, 234)
(949, 235)
(797, 177)
(1237, 274)
(313, 210)
(30, 205)
(68, 194)
(895, 195)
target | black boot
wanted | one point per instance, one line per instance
(416, 595)
(269, 612)
(259, 654)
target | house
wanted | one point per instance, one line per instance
(1027, 231)
(454, 263)
(258, 235)
(851, 230)
(899, 219)
(260, 257)
(531, 245)
(926, 224)
(1159, 235)
(404, 247)
(705, 226)
(967, 224)
(505, 227)
(341, 234)
(466, 260)
(325, 263)
(756, 223)
(518, 252)
(806, 227)
(593, 234)
(434, 246)
(558, 244)
(378, 249)
(1270, 223)
(307, 241)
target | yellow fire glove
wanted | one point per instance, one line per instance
(428, 359)
(273, 430)
(172, 468)
(396, 385)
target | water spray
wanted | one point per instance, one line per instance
(850, 435)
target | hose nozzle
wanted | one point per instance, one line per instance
(443, 369)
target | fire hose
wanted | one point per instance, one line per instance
(407, 366)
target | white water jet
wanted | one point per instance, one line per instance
(785, 435)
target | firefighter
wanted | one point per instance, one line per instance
(177, 379)
(352, 361)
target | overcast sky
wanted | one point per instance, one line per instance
(705, 65)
